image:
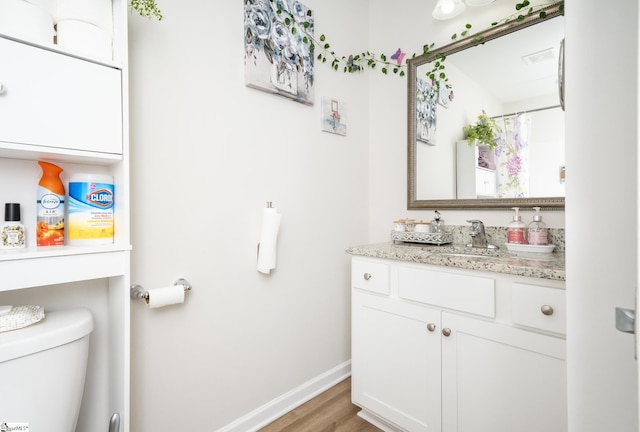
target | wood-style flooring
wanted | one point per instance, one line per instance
(331, 411)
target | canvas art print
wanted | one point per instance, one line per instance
(334, 116)
(278, 56)
(426, 112)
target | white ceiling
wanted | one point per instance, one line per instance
(498, 65)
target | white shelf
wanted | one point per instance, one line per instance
(35, 152)
(62, 264)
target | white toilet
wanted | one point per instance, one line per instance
(42, 371)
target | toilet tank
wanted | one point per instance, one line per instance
(42, 371)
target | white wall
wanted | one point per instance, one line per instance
(207, 153)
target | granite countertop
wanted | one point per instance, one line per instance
(537, 265)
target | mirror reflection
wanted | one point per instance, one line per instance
(512, 80)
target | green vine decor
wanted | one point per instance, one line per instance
(357, 62)
(146, 8)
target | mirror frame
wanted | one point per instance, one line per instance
(547, 203)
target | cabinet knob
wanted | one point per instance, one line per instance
(3, 88)
(431, 327)
(367, 276)
(546, 310)
(446, 331)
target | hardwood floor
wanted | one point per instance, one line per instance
(331, 411)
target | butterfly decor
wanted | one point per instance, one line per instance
(398, 56)
(351, 66)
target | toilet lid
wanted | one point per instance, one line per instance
(17, 317)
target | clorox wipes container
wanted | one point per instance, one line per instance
(90, 209)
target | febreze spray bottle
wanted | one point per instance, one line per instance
(50, 206)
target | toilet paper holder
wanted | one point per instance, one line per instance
(137, 292)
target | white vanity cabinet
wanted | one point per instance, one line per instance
(73, 112)
(450, 350)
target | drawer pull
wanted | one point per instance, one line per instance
(367, 276)
(446, 331)
(546, 310)
(431, 327)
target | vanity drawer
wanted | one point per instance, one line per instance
(370, 276)
(539, 307)
(464, 293)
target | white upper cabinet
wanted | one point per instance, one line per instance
(57, 102)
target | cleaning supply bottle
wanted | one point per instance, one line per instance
(50, 206)
(537, 233)
(516, 229)
(90, 209)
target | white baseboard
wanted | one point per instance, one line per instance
(267, 413)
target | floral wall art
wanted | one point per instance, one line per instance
(278, 53)
(426, 111)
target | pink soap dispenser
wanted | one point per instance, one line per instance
(537, 233)
(516, 229)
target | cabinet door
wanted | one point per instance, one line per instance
(396, 361)
(485, 182)
(56, 101)
(501, 379)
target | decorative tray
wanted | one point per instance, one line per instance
(513, 247)
(422, 237)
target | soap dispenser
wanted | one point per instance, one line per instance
(537, 233)
(516, 229)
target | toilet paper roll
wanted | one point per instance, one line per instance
(26, 21)
(96, 12)
(267, 251)
(85, 39)
(159, 297)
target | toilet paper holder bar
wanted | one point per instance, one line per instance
(137, 292)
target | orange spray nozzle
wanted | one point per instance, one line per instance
(51, 177)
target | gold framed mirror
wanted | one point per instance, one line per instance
(423, 155)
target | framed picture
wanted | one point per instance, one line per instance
(277, 54)
(445, 96)
(426, 112)
(334, 116)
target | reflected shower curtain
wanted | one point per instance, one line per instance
(512, 156)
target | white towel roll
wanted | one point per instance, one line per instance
(267, 251)
(96, 12)
(26, 21)
(85, 39)
(48, 5)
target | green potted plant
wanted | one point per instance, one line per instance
(483, 132)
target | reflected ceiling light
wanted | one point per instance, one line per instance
(446, 9)
(474, 3)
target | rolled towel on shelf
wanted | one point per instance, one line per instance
(96, 12)
(85, 39)
(26, 21)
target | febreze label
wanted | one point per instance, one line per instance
(90, 212)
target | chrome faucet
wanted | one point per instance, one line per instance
(479, 239)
